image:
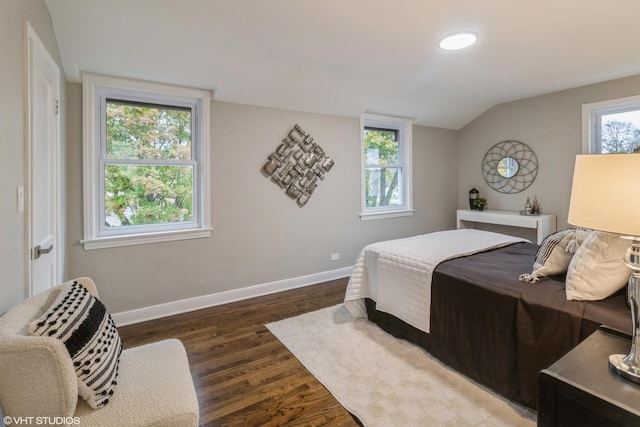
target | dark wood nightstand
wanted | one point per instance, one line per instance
(581, 390)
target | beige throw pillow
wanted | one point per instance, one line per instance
(597, 270)
(555, 253)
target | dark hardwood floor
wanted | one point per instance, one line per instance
(243, 375)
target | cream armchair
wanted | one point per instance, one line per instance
(37, 378)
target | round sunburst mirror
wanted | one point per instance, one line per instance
(510, 167)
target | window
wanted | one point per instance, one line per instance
(146, 172)
(386, 167)
(611, 126)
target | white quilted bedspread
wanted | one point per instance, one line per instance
(397, 273)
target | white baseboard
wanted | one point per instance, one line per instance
(205, 301)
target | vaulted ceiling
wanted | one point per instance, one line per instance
(346, 57)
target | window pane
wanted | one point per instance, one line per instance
(620, 132)
(382, 187)
(146, 131)
(143, 194)
(381, 146)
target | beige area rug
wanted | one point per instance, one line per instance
(385, 381)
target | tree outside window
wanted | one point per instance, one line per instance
(382, 171)
(148, 167)
(145, 162)
(611, 126)
(620, 132)
(386, 150)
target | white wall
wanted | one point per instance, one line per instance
(552, 126)
(13, 251)
(260, 234)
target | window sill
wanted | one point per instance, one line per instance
(143, 239)
(368, 216)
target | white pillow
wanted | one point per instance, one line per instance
(555, 253)
(597, 270)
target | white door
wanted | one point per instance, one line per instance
(43, 164)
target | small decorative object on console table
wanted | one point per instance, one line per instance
(480, 203)
(605, 196)
(544, 224)
(535, 207)
(473, 195)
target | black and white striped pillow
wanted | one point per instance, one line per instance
(82, 323)
(555, 253)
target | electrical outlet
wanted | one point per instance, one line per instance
(335, 256)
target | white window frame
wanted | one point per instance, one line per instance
(405, 152)
(591, 119)
(96, 89)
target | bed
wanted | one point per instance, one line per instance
(492, 327)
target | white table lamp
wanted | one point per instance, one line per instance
(606, 196)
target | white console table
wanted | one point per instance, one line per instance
(544, 224)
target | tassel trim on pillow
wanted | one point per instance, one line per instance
(555, 253)
(529, 278)
(573, 245)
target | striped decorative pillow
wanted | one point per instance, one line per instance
(82, 323)
(555, 253)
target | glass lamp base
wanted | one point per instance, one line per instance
(626, 371)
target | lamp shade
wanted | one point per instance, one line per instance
(605, 194)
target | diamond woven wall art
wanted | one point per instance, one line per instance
(297, 165)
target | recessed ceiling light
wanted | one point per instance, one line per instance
(458, 41)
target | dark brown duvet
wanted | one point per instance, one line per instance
(499, 331)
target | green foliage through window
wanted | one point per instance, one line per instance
(148, 170)
(382, 169)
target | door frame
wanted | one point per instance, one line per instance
(30, 39)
